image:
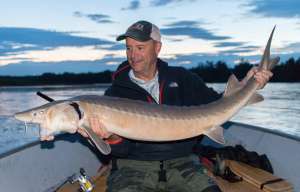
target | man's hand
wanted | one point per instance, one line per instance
(99, 128)
(101, 131)
(82, 132)
(261, 76)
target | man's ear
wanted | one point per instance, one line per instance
(157, 46)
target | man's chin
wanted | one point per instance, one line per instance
(136, 66)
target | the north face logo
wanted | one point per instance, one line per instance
(138, 26)
(173, 84)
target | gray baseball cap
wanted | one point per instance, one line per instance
(142, 31)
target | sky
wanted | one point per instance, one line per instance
(79, 35)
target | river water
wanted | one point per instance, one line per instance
(280, 110)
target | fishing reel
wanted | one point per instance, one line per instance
(83, 180)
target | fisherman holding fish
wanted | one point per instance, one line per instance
(157, 166)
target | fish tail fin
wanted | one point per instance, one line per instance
(266, 62)
(216, 134)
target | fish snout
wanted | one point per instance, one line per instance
(23, 117)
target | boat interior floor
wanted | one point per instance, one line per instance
(251, 181)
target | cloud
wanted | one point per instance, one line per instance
(238, 47)
(228, 44)
(237, 51)
(159, 3)
(110, 61)
(115, 47)
(275, 8)
(250, 47)
(98, 18)
(194, 59)
(293, 48)
(15, 40)
(135, 4)
(9, 48)
(38, 68)
(184, 23)
(190, 29)
(78, 14)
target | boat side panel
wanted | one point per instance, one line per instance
(281, 149)
(41, 167)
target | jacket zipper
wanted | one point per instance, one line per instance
(149, 97)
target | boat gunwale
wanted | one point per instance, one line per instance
(228, 124)
(44, 144)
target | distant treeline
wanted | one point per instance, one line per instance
(57, 79)
(288, 71)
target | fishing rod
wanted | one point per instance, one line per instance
(46, 97)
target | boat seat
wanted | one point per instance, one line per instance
(252, 179)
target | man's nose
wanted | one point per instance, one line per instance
(133, 53)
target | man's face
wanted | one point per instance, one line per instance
(142, 56)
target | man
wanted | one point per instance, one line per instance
(164, 166)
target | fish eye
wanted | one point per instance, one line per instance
(34, 113)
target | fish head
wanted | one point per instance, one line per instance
(62, 117)
(34, 115)
(52, 117)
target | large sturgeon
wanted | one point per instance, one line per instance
(144, 121)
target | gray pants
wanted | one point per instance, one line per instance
(181, 174)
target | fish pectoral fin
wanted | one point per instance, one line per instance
(256, 98)
(216, 134)
(101, 145)
(233, 85)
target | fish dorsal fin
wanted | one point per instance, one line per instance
(216, 134)
(233, 86)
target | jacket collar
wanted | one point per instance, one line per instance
(121, 78)
(121, 74)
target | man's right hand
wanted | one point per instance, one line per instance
(101, 131)
(82, 132)
(98, 127)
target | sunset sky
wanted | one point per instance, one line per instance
(79, 35)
